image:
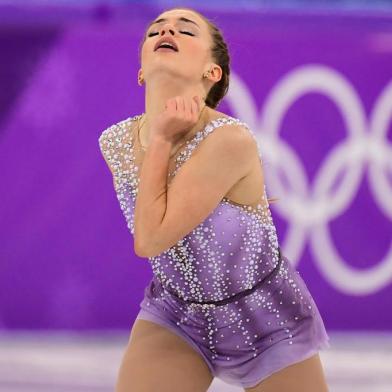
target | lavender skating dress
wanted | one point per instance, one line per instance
(225, 288)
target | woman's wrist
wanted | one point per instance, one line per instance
(161, 140)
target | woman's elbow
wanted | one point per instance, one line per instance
(147, 247)
(140, 248)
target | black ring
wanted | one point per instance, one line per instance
(237, 296)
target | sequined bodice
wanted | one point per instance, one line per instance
(230, 251)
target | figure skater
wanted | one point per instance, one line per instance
(223, 300)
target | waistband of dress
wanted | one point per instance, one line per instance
(236, 296)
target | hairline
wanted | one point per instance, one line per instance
(182, 17)
(179, 18)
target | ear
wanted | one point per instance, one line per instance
(216, 73)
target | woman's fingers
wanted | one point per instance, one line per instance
(180, 104)
(171, 104)
(198, 104)
(177, 103)
(193, 107)
(184, 107)
(187, 107)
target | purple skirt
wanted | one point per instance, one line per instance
(246, 340)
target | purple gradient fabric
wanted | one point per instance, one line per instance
(245, 339)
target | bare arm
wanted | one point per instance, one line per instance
(151, 197)
(165, 215)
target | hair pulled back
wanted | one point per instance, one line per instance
(219, 54)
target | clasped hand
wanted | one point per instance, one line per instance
(181, 114)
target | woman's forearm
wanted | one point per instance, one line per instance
(151, 200)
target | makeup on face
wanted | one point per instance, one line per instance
(184, 26)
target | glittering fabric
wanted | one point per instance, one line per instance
(225, 287)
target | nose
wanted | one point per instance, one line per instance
(167, 27)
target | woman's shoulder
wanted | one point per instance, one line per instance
(112, 138)
(125, 121)
(118, 127)
(217, 115)
(217, 119)
(239, 128)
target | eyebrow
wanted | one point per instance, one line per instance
(180, 18)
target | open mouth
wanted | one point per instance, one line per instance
(166, 48)
(166, 44)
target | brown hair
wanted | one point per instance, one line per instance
(220, 55)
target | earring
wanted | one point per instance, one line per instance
(140, 80)
(206, 74)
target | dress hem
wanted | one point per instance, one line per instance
(323, 345)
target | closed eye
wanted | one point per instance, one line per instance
(183, 32)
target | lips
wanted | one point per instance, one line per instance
(166, 48)
(169, 41)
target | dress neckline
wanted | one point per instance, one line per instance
(134, 135)
(247, 208)
(180, 153)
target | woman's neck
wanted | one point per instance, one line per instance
(158, 92)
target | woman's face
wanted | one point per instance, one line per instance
(192, 39)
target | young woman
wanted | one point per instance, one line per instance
(223, 301)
